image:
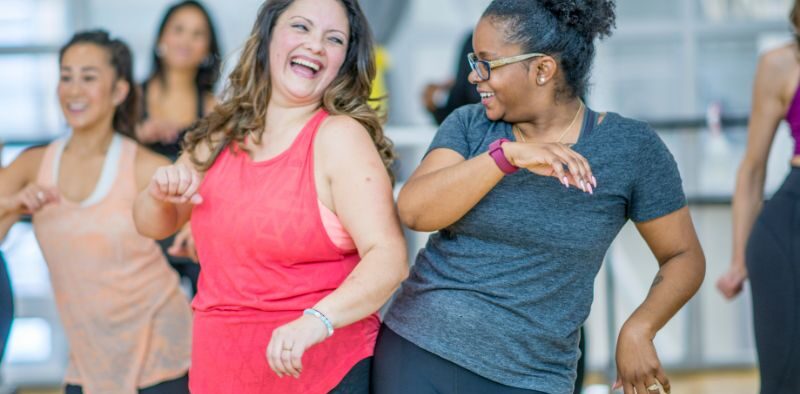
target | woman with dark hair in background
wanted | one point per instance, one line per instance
(766, 237)
(179, 91)
(496, 298)
(127, 323)
(186, 66)
(290, 199)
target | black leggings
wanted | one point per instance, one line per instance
(402, 367)
(357, 379)
(6, 306)
(773, 266)
(175, 386)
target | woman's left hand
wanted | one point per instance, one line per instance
(183, 245)
(638, 369)
(290, 341)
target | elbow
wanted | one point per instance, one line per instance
(414, 217)
(406, 211)
(698, 269)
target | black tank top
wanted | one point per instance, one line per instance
(171, 150)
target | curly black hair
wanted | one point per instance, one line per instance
(564, 29)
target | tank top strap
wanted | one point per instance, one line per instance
(45, 175)
(305, 143)
(126, 175)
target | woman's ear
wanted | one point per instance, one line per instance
(545, 70)
(120, 93)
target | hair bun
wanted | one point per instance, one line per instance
(591, 18)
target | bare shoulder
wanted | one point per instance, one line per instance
(343, 145)
(147, 158)
(779, 60)
(342, 133)
(23, 170)
(146, 163)
(28, 162)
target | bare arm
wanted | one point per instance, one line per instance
(768, 108)
(359, 189)
(674, 243)
(165, 204)
(362, 197)
(446, 186)
(18, 194)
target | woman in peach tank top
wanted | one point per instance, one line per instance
(127, 322)
(290, 200)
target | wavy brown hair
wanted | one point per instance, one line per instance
(244, 109)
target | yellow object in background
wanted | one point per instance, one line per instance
(379, 96)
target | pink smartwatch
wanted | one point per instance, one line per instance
(496, 152)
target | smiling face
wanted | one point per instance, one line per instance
(508, 89)
(88, 87)
(186, 39)
(308, 47)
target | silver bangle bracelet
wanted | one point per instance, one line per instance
(320, 316)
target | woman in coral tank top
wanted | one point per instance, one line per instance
(127, 322)
(290, 200)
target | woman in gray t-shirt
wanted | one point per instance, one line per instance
(495, 299)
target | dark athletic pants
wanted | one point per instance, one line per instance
(355, 382)
(402, 367)
(773, 266)
(6, 306)
(175, 386)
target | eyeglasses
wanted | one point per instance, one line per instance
(484, 67)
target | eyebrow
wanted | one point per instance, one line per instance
(485, 55)
(312, 24)
(86, 68)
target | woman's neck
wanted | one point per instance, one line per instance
(558, 121)
(281, 116)
(90, 141)
(178, 79)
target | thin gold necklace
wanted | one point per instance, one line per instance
(563, 133)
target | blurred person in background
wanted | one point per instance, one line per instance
(287, 186)
(127, 323)
(440, 99)
(178, 92)
(766, 236)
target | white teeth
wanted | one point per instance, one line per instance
(485, 95)
(310, 65)
(77, 107)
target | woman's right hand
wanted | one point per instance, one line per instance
(32, 198)
(551, 159)
(730, 284)
(176, 184)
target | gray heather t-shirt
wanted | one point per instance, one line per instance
(503, 291)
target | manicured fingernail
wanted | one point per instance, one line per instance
(591, 191)
(594, 180)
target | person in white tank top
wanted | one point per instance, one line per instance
(127, 322)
